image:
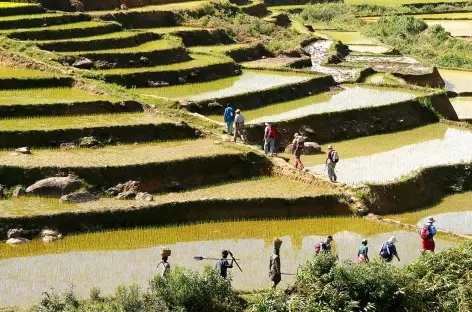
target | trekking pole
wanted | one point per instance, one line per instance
(235, 261)
(198, 258)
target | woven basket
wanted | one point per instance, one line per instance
(165, 252)
(277, 242)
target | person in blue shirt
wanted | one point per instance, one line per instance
(229, 118)
(362, 254)
(389, 250)
(223, 264)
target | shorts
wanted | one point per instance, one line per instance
(428, 245)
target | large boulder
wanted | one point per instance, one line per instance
(79, 197)
(83, 63)
(15, 233)
(144, 196)
(17, 241)
(130, 186)
(49, 236)
(55, 186)
(126, 195)
(90, 142)
(23, 151)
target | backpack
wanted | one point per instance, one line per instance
(272, 132)
(300, 142)
(425, 233)
(384, 251)
(319, 247)
(334, 156)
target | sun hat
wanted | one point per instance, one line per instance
(238, 111)
(166, 252)
(330, 147)
(329, 237)
(364, 241)
(296, 135)
(392, 240)
(431, 220)
(224, 252)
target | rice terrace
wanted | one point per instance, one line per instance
(235, 156)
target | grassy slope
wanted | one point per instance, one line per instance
(79, 25)
(124, 154)
(118, 34)
(164, 7)
(10, 72)
(49, 96)
(84, 121)
(145, 47)
(390, 2)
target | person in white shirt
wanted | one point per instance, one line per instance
(239, 126)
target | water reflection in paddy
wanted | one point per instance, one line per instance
(108, 269)
(457, 28)
(459, 222)
(457, 80)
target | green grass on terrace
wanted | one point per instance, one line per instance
(458, 15)
(117, 34)
(10, 72)
(182, 6)
(85, 121)
(170, 30)
(218, 49)
(30, 16)
(378, 143)
(199, 60)
(162, 44)
(452, 203)
(78, 25)
(393, 2)
(49, 96)
(121, 155)
(15, 4)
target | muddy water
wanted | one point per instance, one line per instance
(463, 107)
(318, 51)
(364, 48)
(108, 269)
(458, 222)
(457, 80)
(350, 98)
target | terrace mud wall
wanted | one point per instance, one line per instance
(153, 177)
(335, 126)
(433, 79)
(426, 187)
(179, 212)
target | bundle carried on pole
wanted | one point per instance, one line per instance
(235, 261)
(165, 252)
(199, 258)
(277, 243)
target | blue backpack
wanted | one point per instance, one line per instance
(384, 252)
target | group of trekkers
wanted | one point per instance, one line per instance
(387, 252)
(234, 121)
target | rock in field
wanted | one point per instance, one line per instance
(17, 241)
(19, 191)
(15, 233)
(79, 197)
(50, 239)
(55, 186)
(144, 196)
(90, 142)
(23, 151)
(83, 63)
(126, 195)
(50, 235)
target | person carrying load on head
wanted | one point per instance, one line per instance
(362, 254)
(239, 126)
(298, 144)
(389, 250)
(164, 266)
(223, 264)
(229, 118)
(332, 159)
(269, 139)
(324, 246)
(274, 263)
(427, 233)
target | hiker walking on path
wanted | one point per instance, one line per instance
(324, 246)
(427, 233)
(223, 264)
(298, 144)
(239, 126)
(332, 159)
(163, 267)
(362, 254)
(274, 263)
(269, 139)
(229, 118)
(389, 250)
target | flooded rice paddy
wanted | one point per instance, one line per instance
(459, 222)
(100, 260)
(350, 37)
(457, 28)
(249, 81)
(365, 48)
(457, 80)
(385, 78)
(454, 148)
(463, 107)
(353, 97)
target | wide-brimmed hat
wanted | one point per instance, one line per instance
(330, 147)
(238, 111)
(392, 240)
(431, 220)
(166, 252)
(224, 252)
(329, 237)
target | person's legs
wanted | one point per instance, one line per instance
(266, 145)
(272, 146)
(242, 133)
(236, 131)
(331, 174)
(229, 126)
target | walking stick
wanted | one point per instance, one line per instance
(198, 258)
(235, 261)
